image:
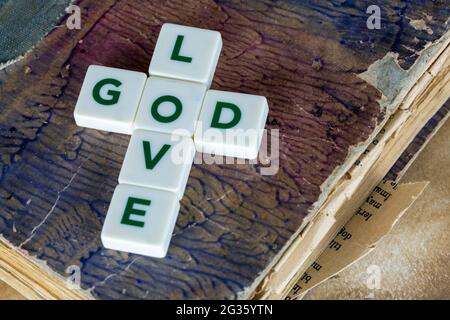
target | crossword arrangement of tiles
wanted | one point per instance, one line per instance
(170, 115)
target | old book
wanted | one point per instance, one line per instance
(332, 84)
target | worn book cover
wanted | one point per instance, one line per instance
(332, 77)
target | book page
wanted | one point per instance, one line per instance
(371, 222)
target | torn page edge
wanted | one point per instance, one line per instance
(372, 221)
(373, 165)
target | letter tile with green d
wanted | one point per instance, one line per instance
(231, 124)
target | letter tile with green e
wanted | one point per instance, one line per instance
(140, 220)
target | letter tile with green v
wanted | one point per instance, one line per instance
(170, 115)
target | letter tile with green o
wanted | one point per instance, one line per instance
(170, 106)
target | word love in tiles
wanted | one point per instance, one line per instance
(170, 115)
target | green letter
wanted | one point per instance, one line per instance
(149, 162)
(217, 112)
(129, 211)
(114, 94)
(176, 51)
(174, 116)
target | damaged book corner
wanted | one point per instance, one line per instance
(125, 174)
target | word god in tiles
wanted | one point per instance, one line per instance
(170, 115)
